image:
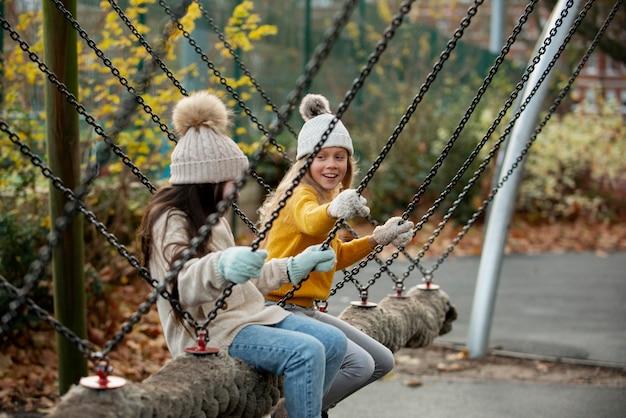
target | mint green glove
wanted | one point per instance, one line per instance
(313, 258)
(240, 264)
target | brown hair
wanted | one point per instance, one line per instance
(197, 202)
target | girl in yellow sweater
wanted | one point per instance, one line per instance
(323, 196)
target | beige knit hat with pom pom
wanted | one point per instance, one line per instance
(315, 110)
(204, 153)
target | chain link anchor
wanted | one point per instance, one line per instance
(201, 349)
(321, 305)
(363, 303)
(399, 289)
(428, 283)
(102, 380)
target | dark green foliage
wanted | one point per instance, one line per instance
(18, 250)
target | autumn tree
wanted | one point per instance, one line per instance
(119, 83)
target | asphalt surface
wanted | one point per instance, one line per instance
(570, 306)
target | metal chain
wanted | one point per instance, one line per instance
(216, 72)
(283, 117)
(271, 139)
(85, 347)
(418, 98)
(72, 100)
(38, 267)
(473, 180)
(224, 82)
(321, 52)
(221, 301)
(248, 74)
(244, 218)
(76, 204)
(486, 82)
(415, 262)
(551, 110)
(149, 49)
(186, 255)
(90, 217)
(354, 234)
(240, 213)
(312, 67)
(137, 99)
(465, 22)
(504, 51)
(433, 171)
(373, 58)
(520, 85)
(371, 281)
(160, 290)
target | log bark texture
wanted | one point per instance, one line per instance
(220, 386)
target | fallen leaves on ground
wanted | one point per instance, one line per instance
(445, 362)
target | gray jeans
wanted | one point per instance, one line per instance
(366, 359)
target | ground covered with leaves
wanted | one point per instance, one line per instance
(28, 364)
(453, 363)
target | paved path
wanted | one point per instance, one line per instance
(563, 305)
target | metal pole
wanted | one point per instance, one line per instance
(62, 137)
(497, 14)
(1, 58)
(307, 33)
(495, 44)
(504, 202)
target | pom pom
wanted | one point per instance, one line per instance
(313, 105)
(200, 109)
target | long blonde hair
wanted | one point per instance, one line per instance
(323, 196)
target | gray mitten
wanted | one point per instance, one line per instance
(395, 230)
(347, 205)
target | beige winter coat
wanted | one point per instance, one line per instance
(200, 284)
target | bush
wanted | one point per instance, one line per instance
(576, 167)
(420, 145)
(18, 250)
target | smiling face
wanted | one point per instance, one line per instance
(329, 167)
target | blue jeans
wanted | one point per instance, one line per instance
(366, 359)
(296, 347)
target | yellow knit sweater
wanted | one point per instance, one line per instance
(301, 223)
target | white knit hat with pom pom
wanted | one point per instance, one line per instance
(204, 153)
(315, 110)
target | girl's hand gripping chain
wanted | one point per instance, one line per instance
(313, 258)
(240, 264)
(396, 230)
(347, 205)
